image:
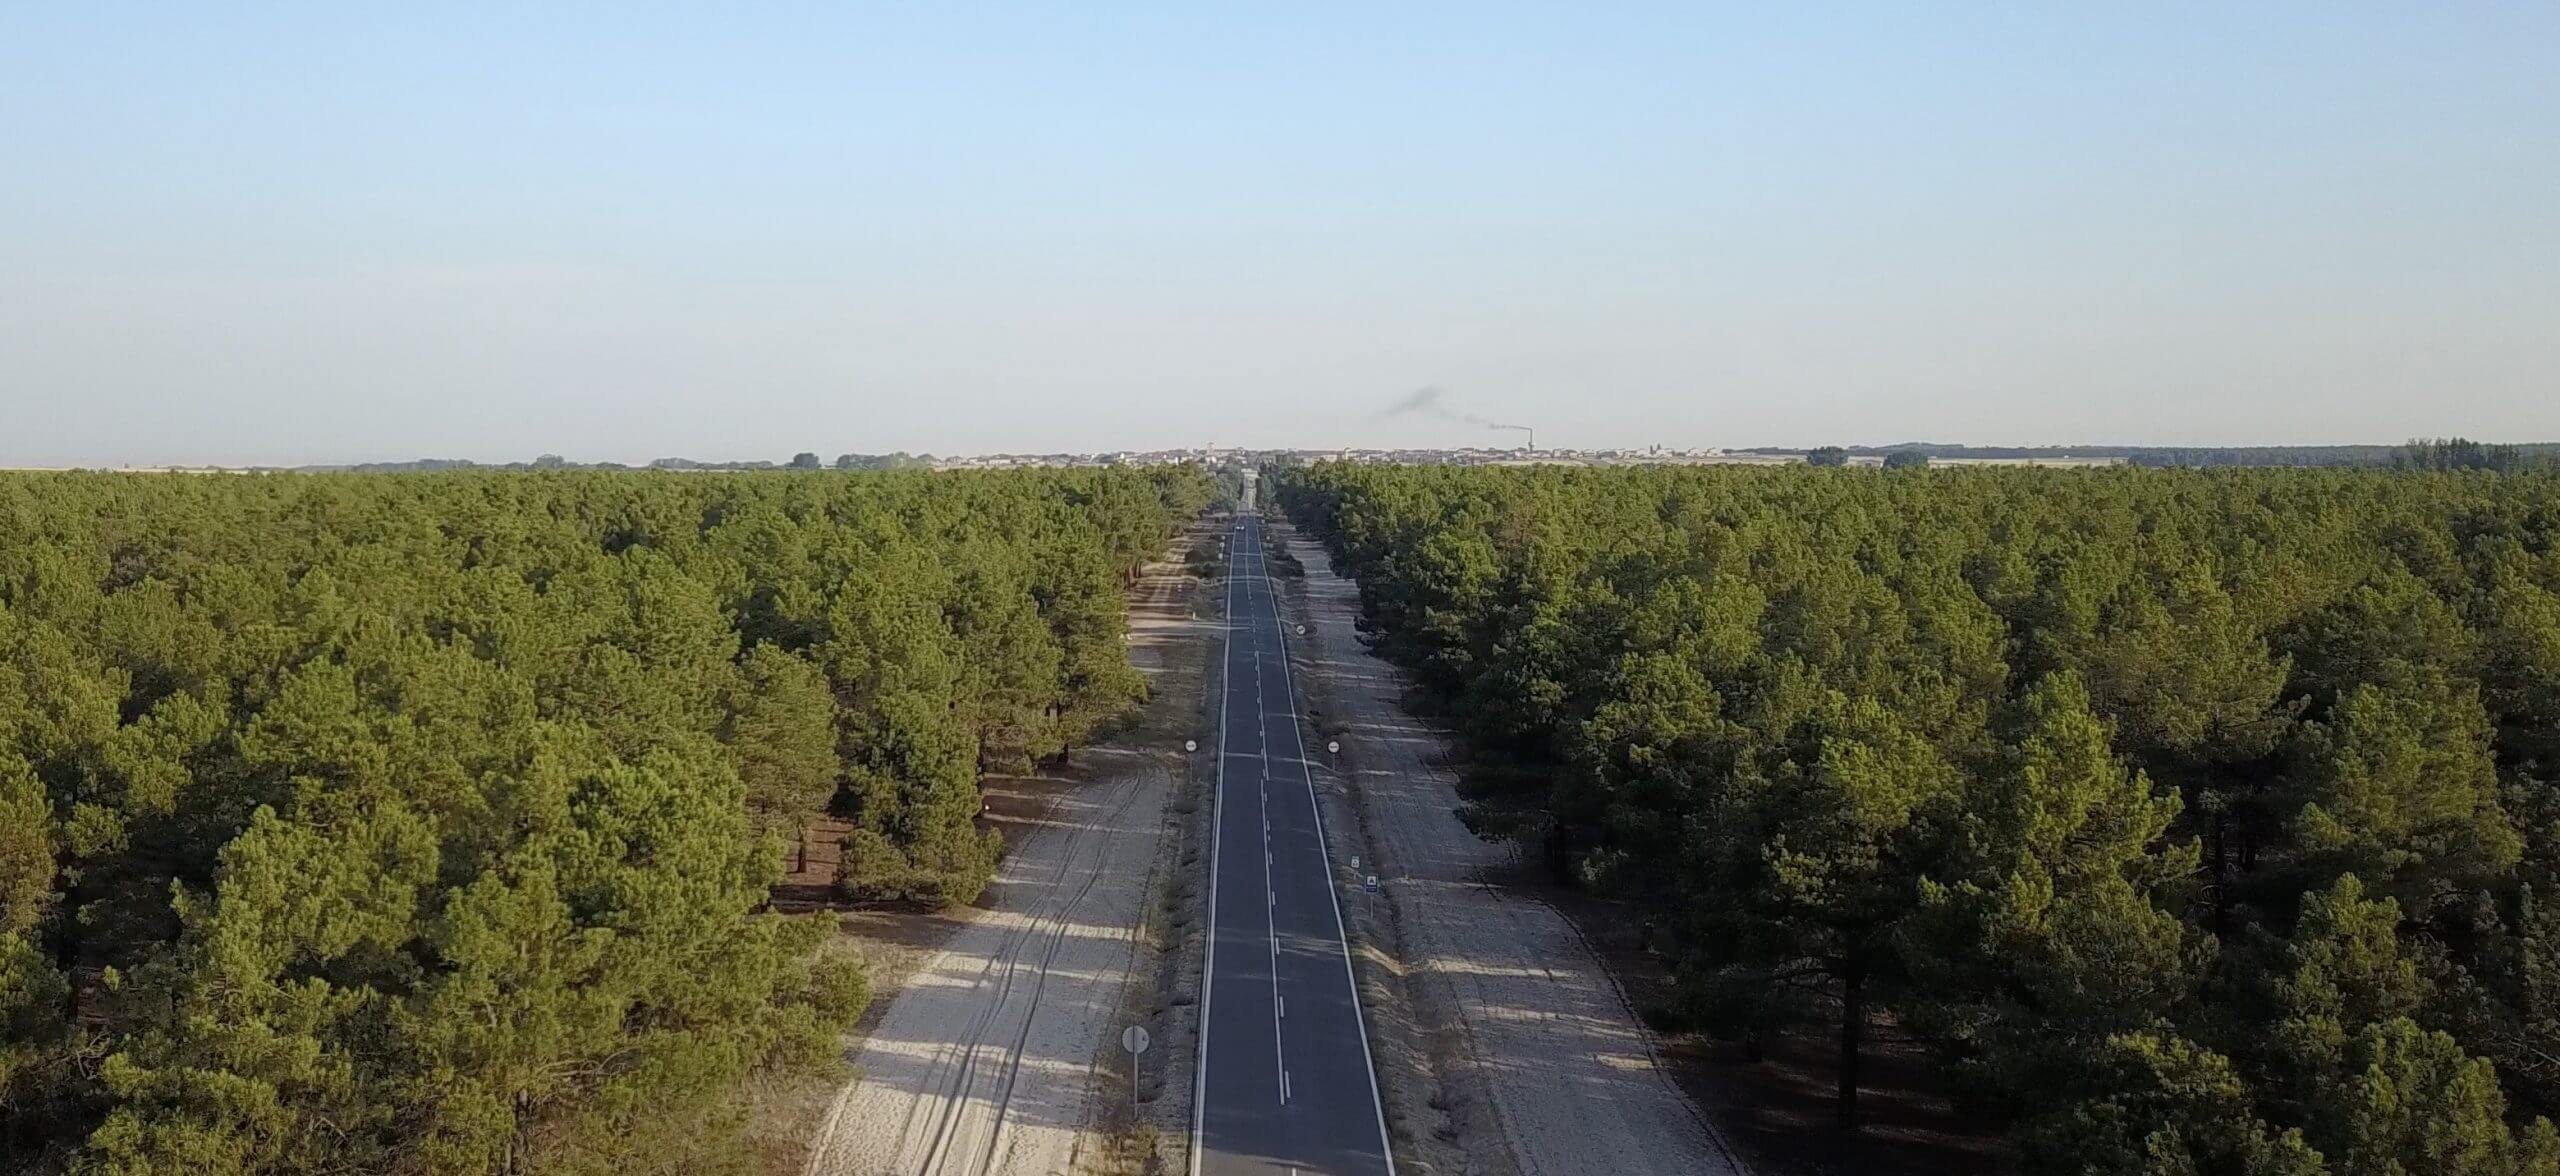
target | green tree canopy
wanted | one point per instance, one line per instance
(428, 822)
(2202, 821)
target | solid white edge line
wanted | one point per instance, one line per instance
(1270, 893)
(1217, 834)
(1386, 1146)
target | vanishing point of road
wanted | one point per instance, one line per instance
(1285, 1084)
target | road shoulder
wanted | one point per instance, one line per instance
(1506, 1046)
(993, 1043)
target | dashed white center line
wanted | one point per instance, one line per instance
(1270, 893)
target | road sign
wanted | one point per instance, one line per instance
(1370, 884)
(1302, 630)
(1134, 1040)
(1333, 746)
(1190, 745)
(1355, 862)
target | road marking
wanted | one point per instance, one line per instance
(1270, 893)
(1349, 977)
(1217, 836)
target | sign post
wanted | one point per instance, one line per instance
(1134, 1040)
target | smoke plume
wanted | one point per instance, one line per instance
(1434, 403)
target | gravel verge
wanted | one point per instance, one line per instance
(999, 1049)
(1506, 1047)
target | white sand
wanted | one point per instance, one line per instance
(993, 1057)
(1541, 1033)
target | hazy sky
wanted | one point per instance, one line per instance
(256, 232)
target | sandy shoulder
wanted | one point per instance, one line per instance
(994, 1042)
(1534, 1060)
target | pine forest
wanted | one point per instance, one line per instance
(2198, 821)
(427, 822)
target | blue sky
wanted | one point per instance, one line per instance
(289, 233)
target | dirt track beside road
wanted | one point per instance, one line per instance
(1540, 1066)
(999, 1052)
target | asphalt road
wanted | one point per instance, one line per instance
(1285, 1083)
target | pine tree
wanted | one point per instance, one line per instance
(2154, 1105)
(782, 727)
(2400, 786)
(2051, 938)
(1802, 880)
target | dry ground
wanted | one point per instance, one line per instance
(1509, 1046)
(992, 1045)
(1535, 973)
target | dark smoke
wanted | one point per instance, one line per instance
(1433, 402)
(1430, 402)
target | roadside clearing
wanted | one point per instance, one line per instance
(1518, 1049)
(1000, 1051)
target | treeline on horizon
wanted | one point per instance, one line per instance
(427, 823)
(805, 461)
(2197, 821)
(2448, 453)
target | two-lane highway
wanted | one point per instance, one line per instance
(1284, 1081)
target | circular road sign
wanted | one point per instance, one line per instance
(1134, 1039)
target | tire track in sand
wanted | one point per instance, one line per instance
(1029, 987)
(1563, 1077)
(989, 1060)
